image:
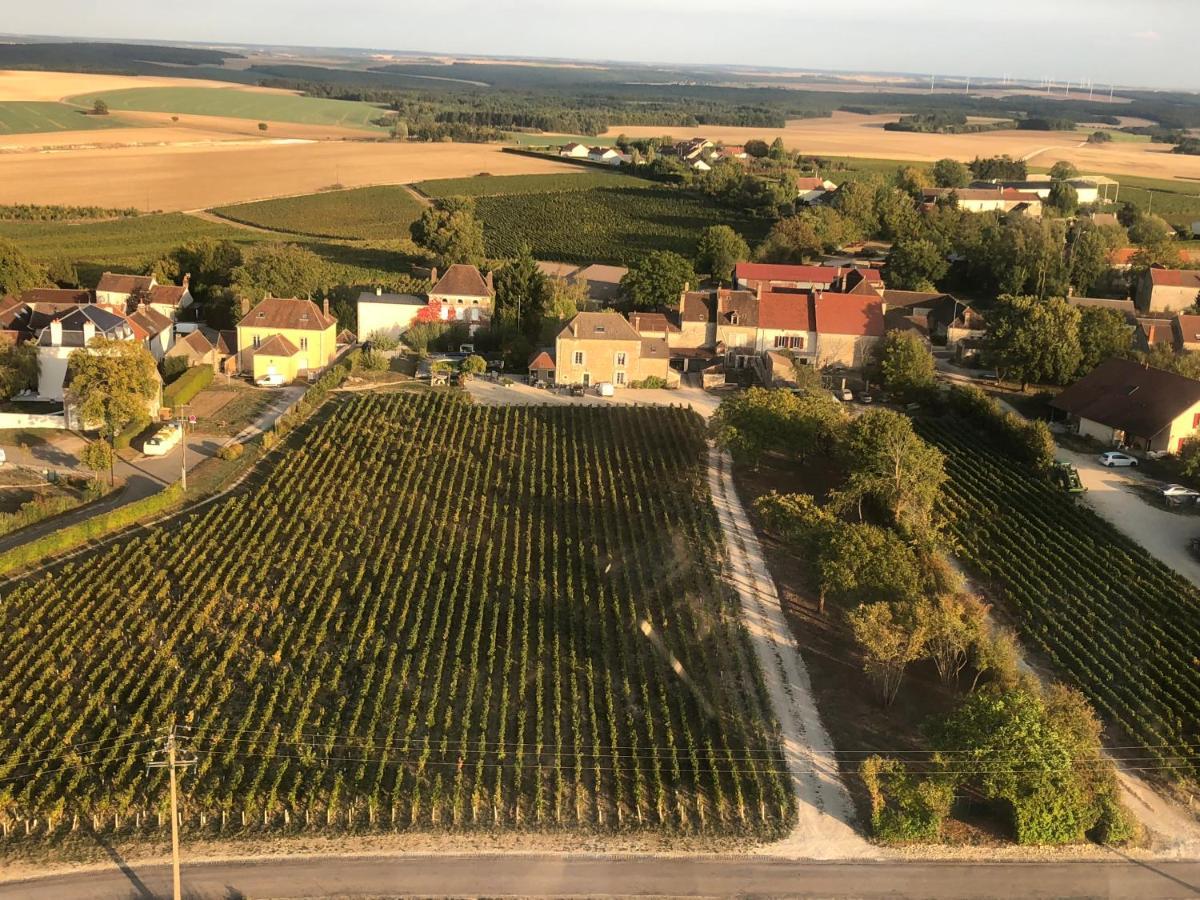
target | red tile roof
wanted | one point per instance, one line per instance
(55, 295)
(1185, 278)
(810, 184)
(167, 294)
(860, 315)
(276, 345)
(651, 321)
(786, 312)
(542, 361)
(123, 284)
(462, 280)
(281, 313)
(787, 273)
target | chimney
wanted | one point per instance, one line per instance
(89, 331)
(433, 275)
(758, 292)
(378, 290)
(326, 307)
(56, 333)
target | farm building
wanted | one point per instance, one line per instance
(1167, 290)
(597, 347)
(128, 293)
(286, 337)
(771, 275)
(462, 294)
(387, 314)
(988, 198)
(573, 151)
(1122, 401)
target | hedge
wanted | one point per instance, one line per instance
(132, 430)
(187, 386)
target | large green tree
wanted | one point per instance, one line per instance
(1063, 199)
(111, 385)
(915, 264)
(753, 422)
(905, 364)
(523, 294)
(890, 637)
(719, 250)
(450, 232)
(18, 369)
(1102, 333)
(1032, 340)
(17, 271)
(656, 280)
(950, 173)
(279, 270)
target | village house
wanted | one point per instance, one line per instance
(126, 293)
(598, 347)
(155, 330)
(607, 155)
(462, 294)
(1089, 188)
(750, 276)
(1167, 290)
(813, 190)
(573, 150)
(66, 333)
(1187, 333)
(936, 317)
(1124, 402)
(989, 198)
(205, 347)
(387, 315)
(286, 337)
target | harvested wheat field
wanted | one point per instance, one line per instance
(179, 177)
(849, 134)
(38, 85)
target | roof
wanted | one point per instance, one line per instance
(1007, 194)
(1184, 278)
(227, 343)
(281, 313)
(462, 280)
(106, 323)
(737, 308)
(276, 345)
(150, 321)
(55, 295)
(1189, 328)
(1125, 394)
(912, 298)
(599, 326)
(542, 360)
(698, 306)
(1122, 256)
(395, 299)
(651, 321)
(602, 273)
(1122, 306)
(655, 348)
(556, 269)
(124, 284)
(810, 184)
(195, 343)
(1156, 331)
(167, 294)
(860, 315)
(803, 274)
(786, 312)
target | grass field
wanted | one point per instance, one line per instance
(501, 185)
(614, 225)
(239, 104)
(524, 139)
(370, 213)
(486, 618)
(39, 117)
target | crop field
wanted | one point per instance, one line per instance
(612, 225)
(370, 213)
(485, 617)
(581, 179)
(1117, 622)
(239, 104)
(33, 117)
(528, 139)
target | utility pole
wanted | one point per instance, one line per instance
(183, 435)
(173, 762)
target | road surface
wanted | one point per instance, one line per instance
(560, 876)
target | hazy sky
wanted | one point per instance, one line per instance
(1136, 42)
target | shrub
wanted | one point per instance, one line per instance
(125, 438)
(269, 439)
(173, 367)
(187, 386)
(904, 808)
(474, 365)
(232, 451)
(649, 382)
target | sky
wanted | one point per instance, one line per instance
(1130, 42)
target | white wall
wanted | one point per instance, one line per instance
(1102, 433)
(390, 318)
(52, 365)
(31, 420)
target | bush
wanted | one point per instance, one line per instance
(651, 381)
(232, 451)
(1030, 442)
(187, 386)
(474, 365)
(125, 438)
(904, 808)
(173, 367)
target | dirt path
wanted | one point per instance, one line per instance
(221, 220)
(417, 195)
(825, 814)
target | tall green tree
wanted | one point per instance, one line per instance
(18, 369)
(1063, 169)
(1034, 340)
(905, 364)
(912, 180)
(279, 270)
(719, 250)
(523, 294)
(890, 637)
(656, 280)
(1102, 334)
(915, 264)
(17, 271)
(450, 232)
(111, 385)
(950, 173)
(778, 152)
(855, 200)
(1063, 198)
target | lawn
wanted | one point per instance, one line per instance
(613, 225)
(240, 104)
(502, 185)
(19, 117)
(420, 614)
(370, 213)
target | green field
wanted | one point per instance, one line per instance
(238, 104)
(615, 225)
(370, 213)
(18, 117)
(524, 139)
(503, 185)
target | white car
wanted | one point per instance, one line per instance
(843, 394)
(271, 379)
(605, 389)
(161, 442)
(1113, 458)
(1178, 491)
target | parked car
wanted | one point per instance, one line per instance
(577, 390)
(605, 389)
(271, 379)
(843, 394)
(1178, 492)
(865, 397)
(1113, 458)
(163, 440)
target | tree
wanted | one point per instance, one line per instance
(890, 464)
(1034, 340)
(474, 365)
(997, 655)
(720, 248)
(1102, 334)
(904, 807)
(523, 294)
(97, 456)
(753, 422)
(890, 637)
(18, 369)
(793, 239)
(1063, 198)
(998, 168)
(950, 173)
(955, 624)
(912, 181)
(1088, 252)
(756, 148)
(915, 264)
(449, 230)
(1149, 231)
(898, 215)
(859, 563)
(279, 270)
(855, 200)
(1062, 170)
(656, 280)
(17, 271)
(99, 108)
(111, 385)
(905, 364)
(778, 152)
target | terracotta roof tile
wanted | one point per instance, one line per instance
(786, 312)
(276, 345)
(287, 314)
(462, 281)
(1185, 278)
(123, 284)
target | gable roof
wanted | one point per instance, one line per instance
(150, 320)
(283, 313)
(738, 309)
(55, 295)
(825, 275)
(598, 272)
(462, 280)
(192, 344)
(1188, 327)
(810, 184)
(393, 299)
(167, 294)
(1184, 278)
(698, 306)
(276, 345)
(655, 348)
(599, 326)
(543, 360)
(107, 323)
(786, 312)
(860, 315)
(1125, 394)
(651, 321)
(124, 284)
(226, 342)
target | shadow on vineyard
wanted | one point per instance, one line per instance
(424, 614)
(1114, 620)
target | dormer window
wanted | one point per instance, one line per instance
(261, 315)
(599, 329)
(733, 318)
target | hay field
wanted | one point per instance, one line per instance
(30, 117)
(180, 177)
(16, 84)
(848, 134)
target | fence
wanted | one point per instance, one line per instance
(33, 420)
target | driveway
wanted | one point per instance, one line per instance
(687, 394)
(1113, 493)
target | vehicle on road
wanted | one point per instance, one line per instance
(865, 397)
(1178, 491)
(576, 390)
(163, 440)
(1066, 476)
(271, 379)
(605, 389)
(843, 394)
(1113, 458)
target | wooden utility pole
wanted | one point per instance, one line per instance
(171, 763)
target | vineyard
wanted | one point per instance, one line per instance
(615, 225)
(503, 185)
(425, 614)
(1121, 625)
(380, 213)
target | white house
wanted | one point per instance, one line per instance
(154, 329)
(64, 335)
(810, 190)
(126, 293)
(607, 155)
(572, 151)
(387, 314)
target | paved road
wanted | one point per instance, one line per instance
(544, 876)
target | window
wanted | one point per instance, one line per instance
(579, 357)
(619, 378)
(620, 361)
(303, 343)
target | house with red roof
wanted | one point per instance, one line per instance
(813, 190)
(1167, 290)
(750, 276)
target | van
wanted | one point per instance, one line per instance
(605, 389)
